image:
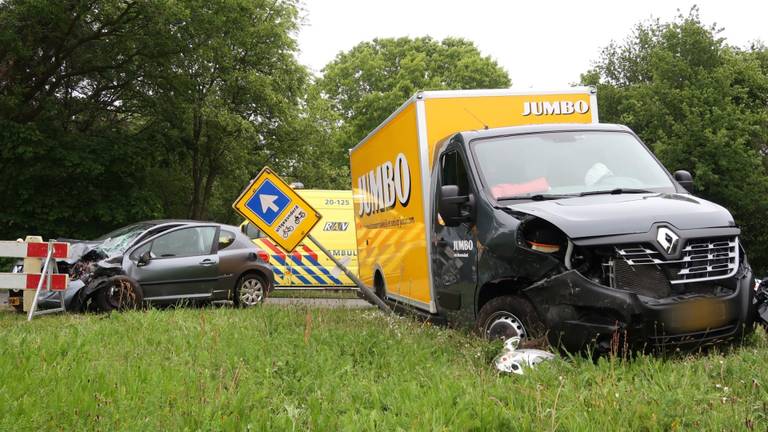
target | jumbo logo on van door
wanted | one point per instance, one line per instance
(554, 108)
(385, 185)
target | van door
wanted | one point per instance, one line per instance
(454, 249)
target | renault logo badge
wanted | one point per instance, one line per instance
(667, 239)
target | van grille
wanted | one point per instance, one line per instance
(701, 260)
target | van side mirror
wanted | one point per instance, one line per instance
(685, 179)
(455, 208)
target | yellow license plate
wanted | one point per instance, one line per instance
(698, 315)
(14, 301)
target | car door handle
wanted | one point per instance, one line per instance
(207, 262)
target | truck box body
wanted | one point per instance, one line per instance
(307, 267)
(390, 174)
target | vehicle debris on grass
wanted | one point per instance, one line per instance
(513, 359)
(761, 303)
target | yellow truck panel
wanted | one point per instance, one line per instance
(391, 232)
(391, 175)
(446, 115)
(307, 266)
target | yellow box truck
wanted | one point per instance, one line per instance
(307, 267)
(521, 215)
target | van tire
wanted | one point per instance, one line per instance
(508, 316)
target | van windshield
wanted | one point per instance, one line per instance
(567, 164)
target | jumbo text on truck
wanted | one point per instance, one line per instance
(521, 215)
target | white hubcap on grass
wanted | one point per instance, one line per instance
(251, 292)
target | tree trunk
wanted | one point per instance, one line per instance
(197, 175)
(209, 181)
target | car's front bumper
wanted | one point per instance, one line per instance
(52, 299)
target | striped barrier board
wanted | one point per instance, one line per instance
(47, 279)
(53, 282)
(17, 249)
(14, 249)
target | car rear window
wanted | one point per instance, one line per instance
(226, 238)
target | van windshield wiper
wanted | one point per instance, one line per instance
(535, 197)
(616, 191)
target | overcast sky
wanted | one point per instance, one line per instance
(541, 44)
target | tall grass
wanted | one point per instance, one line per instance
(276, 368)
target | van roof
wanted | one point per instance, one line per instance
(556, 127)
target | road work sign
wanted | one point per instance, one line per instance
(277, 210)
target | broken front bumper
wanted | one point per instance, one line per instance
(581, 313)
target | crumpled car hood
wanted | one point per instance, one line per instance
(604, 215)
(78, 248)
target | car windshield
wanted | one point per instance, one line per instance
(562, 164)
(116, 242)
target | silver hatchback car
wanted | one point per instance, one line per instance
(164, 262)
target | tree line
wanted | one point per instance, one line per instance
(113, 111)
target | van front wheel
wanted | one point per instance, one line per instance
(509, 316)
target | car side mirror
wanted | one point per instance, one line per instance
(455, 208)
(144, 259)
(685, 179)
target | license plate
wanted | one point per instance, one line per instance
(698, 315)
(14, 301)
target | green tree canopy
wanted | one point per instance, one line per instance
(70, 163)
(701, 105)
(113, 111)
(219, 103)
(367, 83)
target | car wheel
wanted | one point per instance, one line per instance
(118, 293)
(509, 316)
(251, 290)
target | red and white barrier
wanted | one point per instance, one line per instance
(53, 282)
(15, 249)
(34, 252)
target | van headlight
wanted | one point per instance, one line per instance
(541, 236)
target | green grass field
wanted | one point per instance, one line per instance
(278, 368)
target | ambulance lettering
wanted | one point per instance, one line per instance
(384, 186)
(554, 108)
(335, 226)
(343, 252)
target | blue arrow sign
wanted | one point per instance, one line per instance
(268, 202)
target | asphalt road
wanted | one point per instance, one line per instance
(320, 302)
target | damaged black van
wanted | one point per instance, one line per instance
(581, 233)
(541, 221)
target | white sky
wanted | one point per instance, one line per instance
(541, 44)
